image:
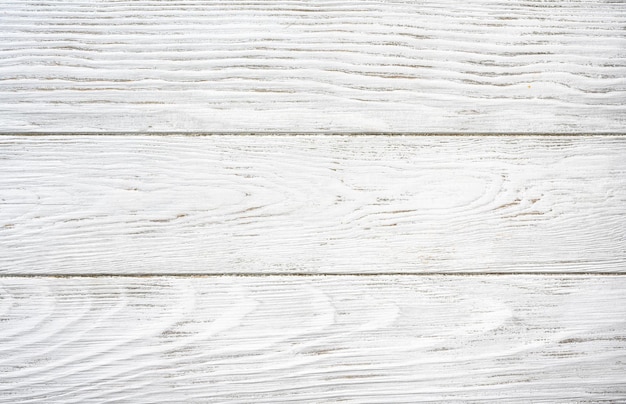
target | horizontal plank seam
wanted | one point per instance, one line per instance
(270, 133)
(308, 274)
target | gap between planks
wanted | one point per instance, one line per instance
(311, 274)
(300, 133)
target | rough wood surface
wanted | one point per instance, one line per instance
(382, 209)
(312, 204)
(473, 65)
(313, 339)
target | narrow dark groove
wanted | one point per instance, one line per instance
(263, 133)
(306, 274)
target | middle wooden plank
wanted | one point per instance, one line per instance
(311, 204)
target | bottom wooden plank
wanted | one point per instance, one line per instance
(313, 339)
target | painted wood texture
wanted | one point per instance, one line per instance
(313, 339)
(434, 66)
(312, 204)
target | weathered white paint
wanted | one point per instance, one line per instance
(315, 65)
(313, 339)
(312, 204)
(264, 205)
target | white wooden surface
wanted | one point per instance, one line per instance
(378, 215)
(419, 66)
(312, 204)
(313, 339)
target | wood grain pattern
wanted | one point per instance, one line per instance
(315, 65)
(378, 209)
(313, 339)
(312, 204)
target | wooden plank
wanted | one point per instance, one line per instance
(430, 66)
(312, 204)
(313, 339)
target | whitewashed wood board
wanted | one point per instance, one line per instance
(312, 204)
(425, 66)
(313, 339)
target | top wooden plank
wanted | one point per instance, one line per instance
(398, 66)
